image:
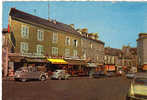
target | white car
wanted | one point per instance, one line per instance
(138, 88)
(60, 74)
(130, 75)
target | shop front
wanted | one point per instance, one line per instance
(92, 68)
(77, 67)
(110, 68)
(17, 61)
(144, 68)
(55, 64)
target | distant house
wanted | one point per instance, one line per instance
(112, 56)
(125, 57)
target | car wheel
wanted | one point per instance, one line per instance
(43, 78)
(16, 79)
(128, 98)
(23, 80)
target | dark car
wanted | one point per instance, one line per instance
(110, 74)
(25, 73)
(98, 74)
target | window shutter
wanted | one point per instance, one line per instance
(22, 30)
(27, 34)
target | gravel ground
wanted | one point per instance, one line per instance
(77, 88)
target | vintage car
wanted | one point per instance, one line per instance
(60, 74)
(138, 88)
(130, 75)
(25, 73)
(98, 74)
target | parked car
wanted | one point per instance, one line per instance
(60, 74)
(25, 73)
(98, 74)
(130, 75)
(120, 73)
(138, 88)
(110, 74)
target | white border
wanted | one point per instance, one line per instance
(81, 0)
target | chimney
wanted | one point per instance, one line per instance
(72, 25)
(93, 36)
(54, 21)
(84, 30)
(49, 19)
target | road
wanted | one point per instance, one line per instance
(77, 88)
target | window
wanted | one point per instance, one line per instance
(54, 51)
(91, 45)
(84, 53)
(97, 58)
(40, 35)
(67, 41)
(39, 49)
(67, 52)
(82, 41)
(24, 31)
(75, 53)
(55, 37)
(24, 47)
(75, 43)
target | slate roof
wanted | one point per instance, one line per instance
(17, 14)
(112, 51)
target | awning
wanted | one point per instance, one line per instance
(36, 60)
(75, 62)
(91, 65)
(57, 61)
(145, 67)
(16, 58)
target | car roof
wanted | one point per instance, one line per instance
(60, 70)
(141, 75)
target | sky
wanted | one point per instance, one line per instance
(117, 23)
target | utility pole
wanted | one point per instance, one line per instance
(48, 11)
(35, 11)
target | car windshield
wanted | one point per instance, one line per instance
(141, 81)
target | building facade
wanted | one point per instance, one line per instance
(125, 57)
(6, 48)
(142, 51)
(92, 48)
(129, 56)
(112, 56)
(34, 36)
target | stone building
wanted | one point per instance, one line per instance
(125, 57)
(112, 56)
(129, 57)
(92, 48)
(38, 37)
(142, 51)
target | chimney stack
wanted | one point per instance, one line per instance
(54, 21)
(72, 25)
